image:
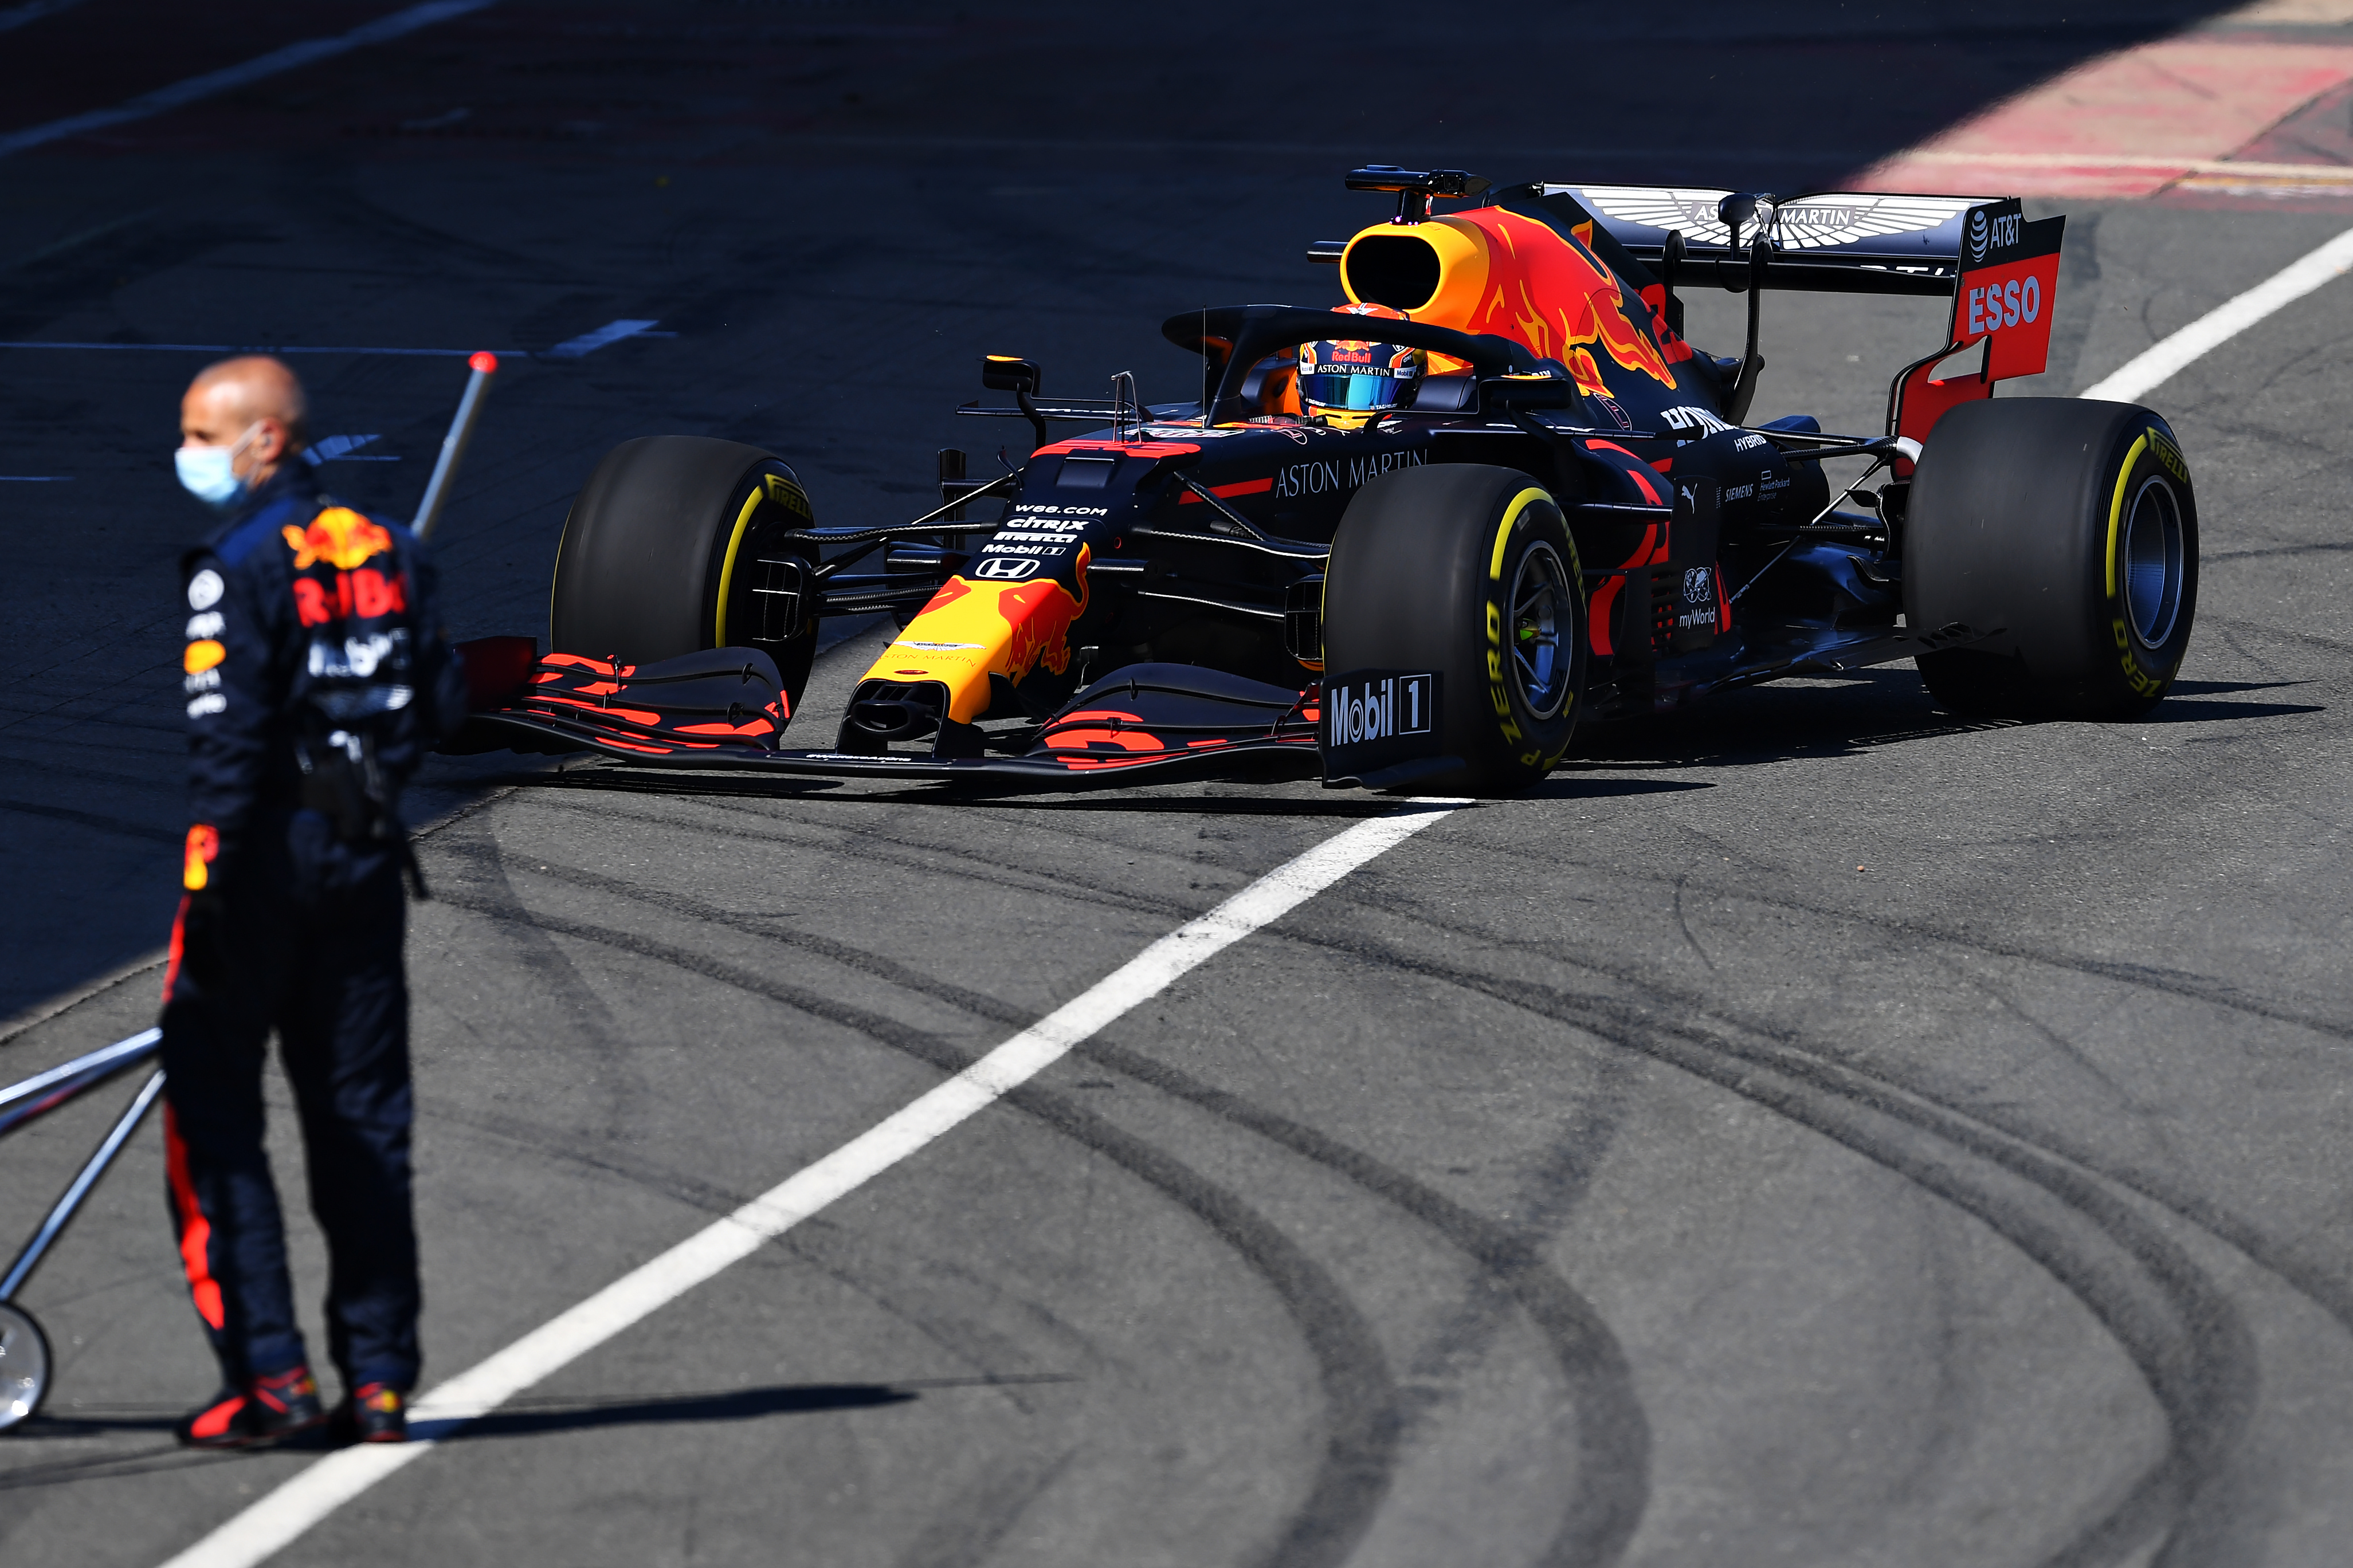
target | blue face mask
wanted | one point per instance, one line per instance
(209, 473)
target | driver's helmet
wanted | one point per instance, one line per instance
(1347, 381)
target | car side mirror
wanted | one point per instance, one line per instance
(1006, 373)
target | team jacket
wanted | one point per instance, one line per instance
(315, 650)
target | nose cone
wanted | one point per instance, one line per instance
(979, 626)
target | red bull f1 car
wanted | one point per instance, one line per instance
(1411, 542)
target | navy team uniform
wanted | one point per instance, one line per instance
(317, 677)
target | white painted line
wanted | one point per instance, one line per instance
(16, 16)
(277, 1520)
(2156, 364)
(212, 83)
(2092, 163)
(590, 342)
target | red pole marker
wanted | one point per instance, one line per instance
(484, 365)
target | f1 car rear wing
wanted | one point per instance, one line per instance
(1848, 242)
(2001, 271)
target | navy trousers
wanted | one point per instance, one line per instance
(327, 975)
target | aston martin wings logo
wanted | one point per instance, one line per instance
(1817, 223)
(1807, 223)
(1692, 210)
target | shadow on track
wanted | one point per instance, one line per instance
(520, 1418)
(734, 1405)
(532, 1417)
(1336, 807)
(1850, 716)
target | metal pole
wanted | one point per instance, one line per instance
(44, 1092)
(453, 446)
(27, 1260)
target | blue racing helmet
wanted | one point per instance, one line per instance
(1348, 380)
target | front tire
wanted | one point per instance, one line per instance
(1469, 572)
(2071, 527)
(663, 554)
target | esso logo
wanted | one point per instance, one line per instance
(2015, 304)
(1004, 569)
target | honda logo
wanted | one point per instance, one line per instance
(1004, 569)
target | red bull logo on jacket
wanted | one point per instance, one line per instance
(339, 536)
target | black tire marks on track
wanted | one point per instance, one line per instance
(2191, 1346)
(1610, 1488)
(1360, 1394)
(917, 856)
(2184, 1335)
(2181, 1333)
(594, 1027)
(1612, 1484)
(2208, 1406)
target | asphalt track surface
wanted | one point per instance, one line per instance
(1811, 1131)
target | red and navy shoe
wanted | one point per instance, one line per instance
(270, 1410)
(372, 1413)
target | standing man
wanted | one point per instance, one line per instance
(317, 676)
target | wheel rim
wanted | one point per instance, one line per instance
(1540, 623)
(2153, 563)
(23, 1366)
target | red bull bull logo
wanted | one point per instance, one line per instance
(339, 536)
(1518, 277)
(1040, 615)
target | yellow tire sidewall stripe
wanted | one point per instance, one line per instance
(727, 566)
(2117, 506)
(1520, 503)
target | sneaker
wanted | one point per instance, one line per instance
(270, 1410)
(372, 1413)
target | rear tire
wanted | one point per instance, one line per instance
(1467, 570)
(2072, 526)
(661, 556)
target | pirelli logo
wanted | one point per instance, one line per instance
(788, 495)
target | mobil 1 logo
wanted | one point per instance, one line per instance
(1376, 717)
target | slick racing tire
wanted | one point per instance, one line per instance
(1468, 572)
(668, 550)
(2067, 528)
